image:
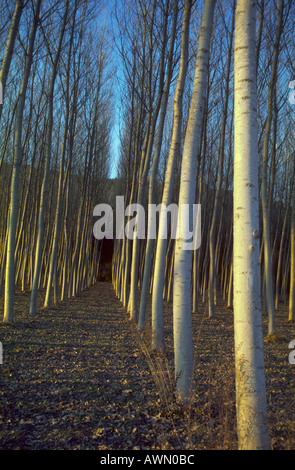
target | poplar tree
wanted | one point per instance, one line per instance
(252, 422)
(182, 321)
(14, 188)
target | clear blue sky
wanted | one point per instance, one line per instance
(109, 6)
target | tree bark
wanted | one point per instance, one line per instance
(150, 241)
(159, 271)
(182, 324)
(252, 425)
(212, 241)
(19, 6)
(269, 297)
(13, 212)
(44, 189)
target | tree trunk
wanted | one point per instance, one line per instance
(269, 300)
(252, 426)
(44, 189)
(61, 184)
(13, 212)
(212, 241)
(19, 6)
(150, 241)
(182, 326)
(159, 271)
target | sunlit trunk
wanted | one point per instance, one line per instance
(182, 323)
(252, 423)
(159, 271)
(13, 210)
(44, 189)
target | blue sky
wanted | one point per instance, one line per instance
(112, 27)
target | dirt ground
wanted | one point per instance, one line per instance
(79, 376)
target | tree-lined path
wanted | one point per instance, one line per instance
(76, 376)
(122, 328)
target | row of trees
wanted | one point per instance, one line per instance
(205, 119)
(55, 136)
(227, 74)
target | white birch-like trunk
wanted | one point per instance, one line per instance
(182, 325)
(252, 425)
(159, 271)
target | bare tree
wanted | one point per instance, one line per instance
(250, 377)
(182, 327)
(13, 212)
